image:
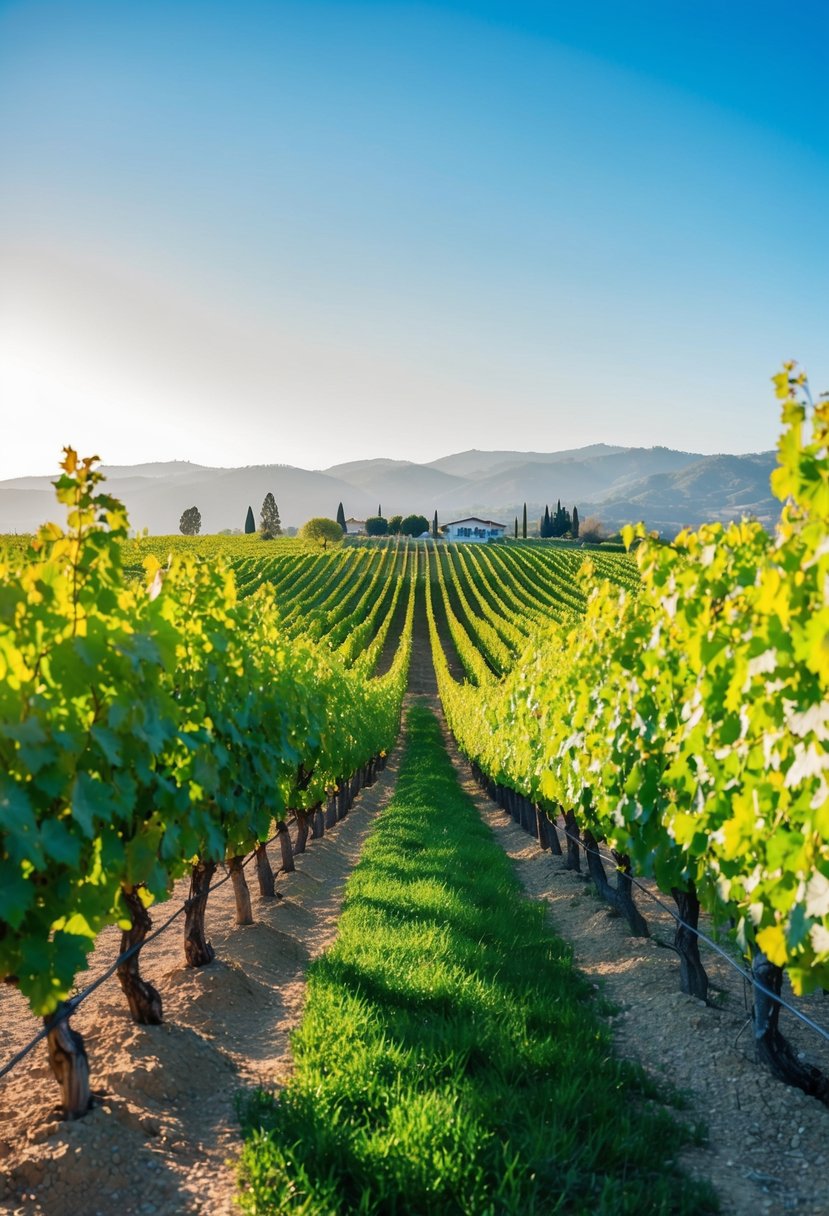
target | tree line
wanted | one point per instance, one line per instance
(557, 523)
(560, 522)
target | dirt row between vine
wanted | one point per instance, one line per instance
(768, 1147)
(163, 1133)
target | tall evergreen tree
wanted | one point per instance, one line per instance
(575, 526)
(435, 526)
(545, 524)
(516, 527)
(250, 522)
(524, 526)
(379, 511)
(341, 517)
(269, 524)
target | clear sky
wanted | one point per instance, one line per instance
(242, 233)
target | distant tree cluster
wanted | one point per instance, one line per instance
(377, 526)
(559, 522)
(414, 525)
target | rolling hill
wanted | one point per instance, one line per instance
(666, 488)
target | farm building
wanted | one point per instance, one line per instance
(355, 527)
(474, 529)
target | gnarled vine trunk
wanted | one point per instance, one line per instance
(771, 1047)
(692, 975)
(572, 860)
(67, 1059)
(241, 891)
(547, 834)
(264, 872)
(197, 949)
(624, 899)
(143, 999)
(619, 897)
(285, 847)
(302, 825)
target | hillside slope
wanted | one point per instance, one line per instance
(666, 488)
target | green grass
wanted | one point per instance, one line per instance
(450, 1059)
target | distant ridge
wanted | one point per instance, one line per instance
(476, 463)
(668, 489)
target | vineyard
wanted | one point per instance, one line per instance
(186, 711)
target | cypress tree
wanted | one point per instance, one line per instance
(435, 526)
(545, 524)
(516, 527)
(524, 526)
(575, 526)
(341, 517)
(250, 522)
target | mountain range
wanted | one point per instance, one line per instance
(665, 488)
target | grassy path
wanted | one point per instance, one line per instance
(450, 1059)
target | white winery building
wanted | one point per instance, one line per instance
(474, 529)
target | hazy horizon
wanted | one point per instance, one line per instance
(126, 464)
(309, 233)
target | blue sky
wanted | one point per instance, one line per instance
(303, 233)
